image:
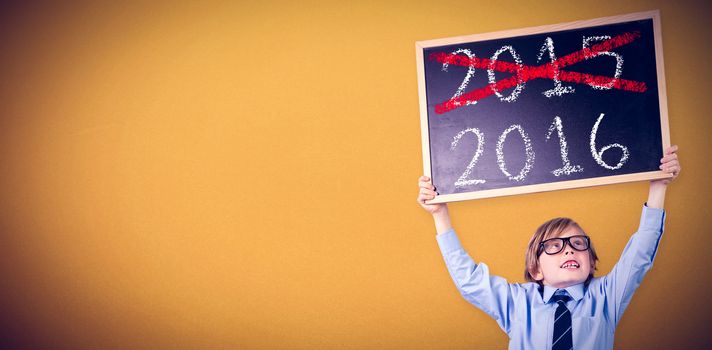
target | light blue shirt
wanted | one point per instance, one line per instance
(523, 310)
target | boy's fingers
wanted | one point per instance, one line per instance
(670, 151)
(423, 197)
(668, 158)
(669, 167)
(426, 185)
(427, 192)
(672, 169)
(668, 164)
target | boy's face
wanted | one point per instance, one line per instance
(567, 267)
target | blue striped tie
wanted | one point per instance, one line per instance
(562, 339)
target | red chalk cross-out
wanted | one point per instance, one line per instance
(524, 73)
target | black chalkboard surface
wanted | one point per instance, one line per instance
(544, 108)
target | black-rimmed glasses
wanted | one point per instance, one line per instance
(555, 245)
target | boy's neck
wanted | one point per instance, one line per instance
(575, 291)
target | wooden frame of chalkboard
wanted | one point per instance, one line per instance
(570, 105)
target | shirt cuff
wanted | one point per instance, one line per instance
(448, 241)
(651, 219)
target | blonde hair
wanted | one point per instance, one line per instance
(550, 229)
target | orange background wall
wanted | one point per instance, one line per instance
(243, 175)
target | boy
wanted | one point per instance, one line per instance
(563, 306)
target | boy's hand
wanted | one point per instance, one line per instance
(427, 192)
(669, 164)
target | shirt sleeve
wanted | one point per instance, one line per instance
(637, 258)
(491, 294)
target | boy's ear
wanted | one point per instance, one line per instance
(536, 274)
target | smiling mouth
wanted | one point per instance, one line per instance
(571, 264)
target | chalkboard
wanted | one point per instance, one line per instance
(544, 108)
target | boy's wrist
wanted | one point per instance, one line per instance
(440, 213)
(659, 183)
(442, 220)
(656, 195)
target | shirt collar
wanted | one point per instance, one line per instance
(575, 292)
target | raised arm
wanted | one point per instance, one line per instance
(491, 294)
(638, 255)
